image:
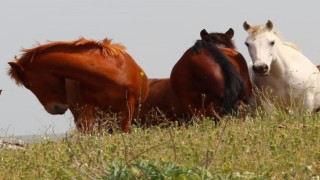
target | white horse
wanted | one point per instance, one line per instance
(280, 67)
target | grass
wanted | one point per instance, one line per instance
(267, 146)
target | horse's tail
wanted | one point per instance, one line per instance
(233, 81)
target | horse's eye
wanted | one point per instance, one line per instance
(271, 43)
(247, 44)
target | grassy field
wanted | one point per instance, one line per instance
(269, 146)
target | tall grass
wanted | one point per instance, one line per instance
(267, 146)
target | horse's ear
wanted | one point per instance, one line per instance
(246, 26)
(230, 33)
(204, 33)
(16, 66)
(269, 25)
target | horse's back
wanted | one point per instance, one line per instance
(160, 91)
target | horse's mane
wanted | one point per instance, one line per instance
(256, 30)
(233, 82)
(292, 45)
(105, 47)
(81, 45)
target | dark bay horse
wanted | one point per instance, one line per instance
(85, 76)
(163, 104)
(210, 78)
(225, 43)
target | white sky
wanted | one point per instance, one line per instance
(156, 34)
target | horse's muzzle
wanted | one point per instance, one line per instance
(57, 109)
(261, 70)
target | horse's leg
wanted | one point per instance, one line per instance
(128, 113)
(84, 118)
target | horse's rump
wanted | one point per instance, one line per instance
(204, 70)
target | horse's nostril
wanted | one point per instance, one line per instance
(254, 68)
(265, 67)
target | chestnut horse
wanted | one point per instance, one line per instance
(211, 79)
(85, 76)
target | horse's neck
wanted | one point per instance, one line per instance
(291, 64)
(72, 88)
(287, 59)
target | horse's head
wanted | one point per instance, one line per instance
(49, 89)
(220, 39)
(261, 43)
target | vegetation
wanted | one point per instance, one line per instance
(276, 145)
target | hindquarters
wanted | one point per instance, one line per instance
(205, 81)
